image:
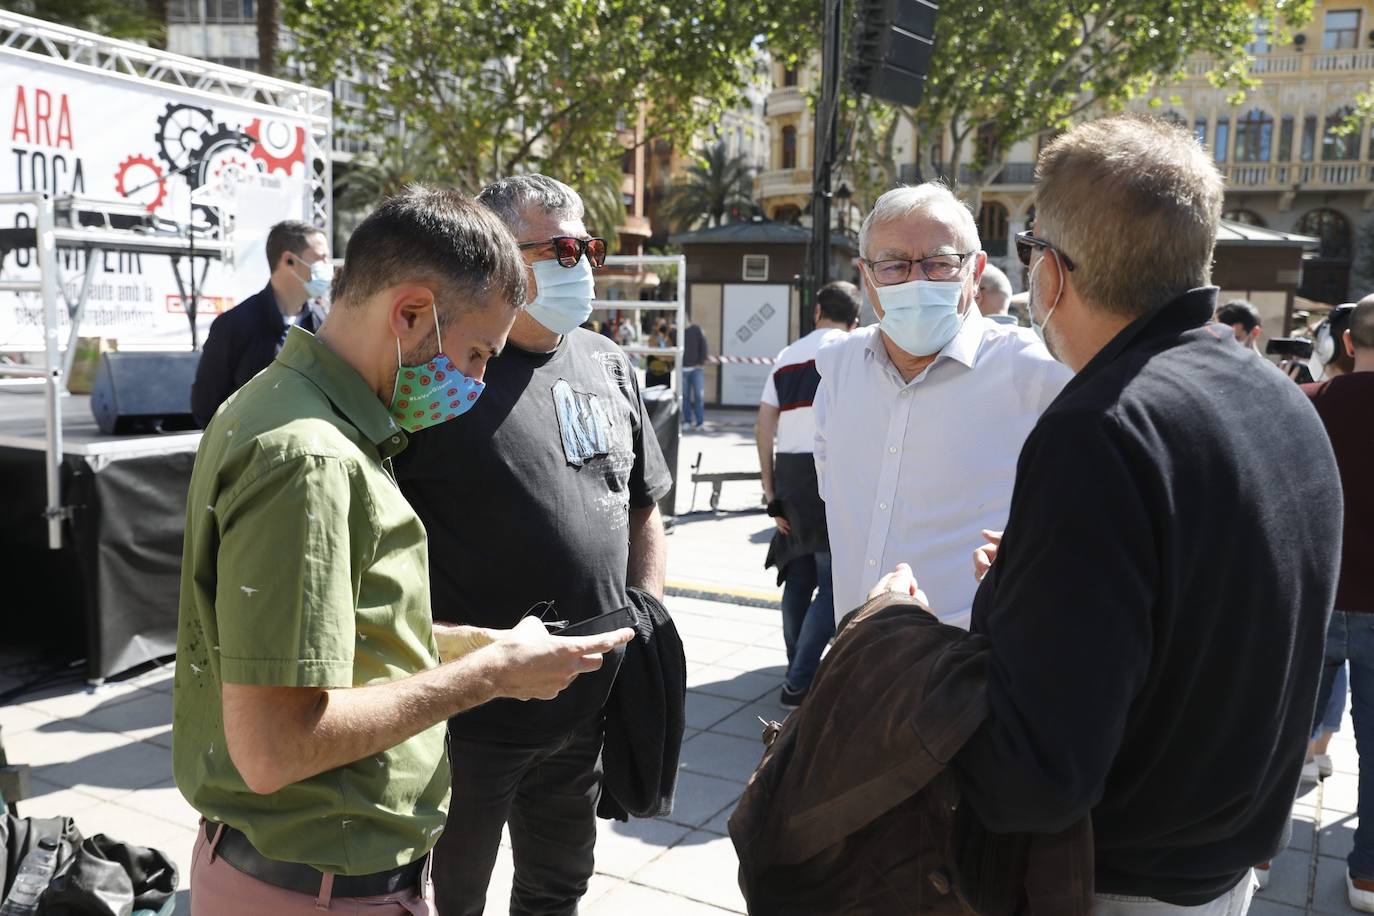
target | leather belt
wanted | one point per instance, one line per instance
(234, 848)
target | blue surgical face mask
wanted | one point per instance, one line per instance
(565, 295)
(921, 316)
(321, 278)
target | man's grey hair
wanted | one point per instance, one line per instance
(1135, 204)
(999, 286)
(515, 198)
(932, 199)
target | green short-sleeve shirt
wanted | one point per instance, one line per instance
(304, 566)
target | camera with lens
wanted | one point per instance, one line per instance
(1293, 353)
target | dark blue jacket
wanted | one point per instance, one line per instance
(242, 342)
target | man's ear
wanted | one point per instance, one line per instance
(410, 312)
(1349, 340)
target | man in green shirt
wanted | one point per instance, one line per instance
(312, 688)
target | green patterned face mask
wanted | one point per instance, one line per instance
(432, 392)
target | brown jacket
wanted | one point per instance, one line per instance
(851, 811)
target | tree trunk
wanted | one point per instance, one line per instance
(980, 179)
(157, 9)
(269, 28)
(956, 154)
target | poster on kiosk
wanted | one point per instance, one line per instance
(187, 157)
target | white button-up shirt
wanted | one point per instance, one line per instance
(911, 472)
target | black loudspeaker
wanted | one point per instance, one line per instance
(144, 392)
(893, 43)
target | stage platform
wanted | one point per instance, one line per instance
(117, 575)
(22, 426)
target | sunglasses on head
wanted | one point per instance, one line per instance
(1027, 243)
(569, 250)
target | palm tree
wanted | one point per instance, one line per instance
(714, 185)
(269, 30)
(605, 208)
(376, 174)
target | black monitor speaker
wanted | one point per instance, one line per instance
(893, 41)
(144, 392)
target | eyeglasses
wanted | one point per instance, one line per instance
(569, 250)
(890, 271)
(1026, 243)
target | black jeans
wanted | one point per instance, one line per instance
(548, 793)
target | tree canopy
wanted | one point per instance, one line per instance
(508, 86)
(1005, 72)
(133, 20)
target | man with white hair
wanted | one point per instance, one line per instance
(994, 295)
(545, 500)
(919, 418)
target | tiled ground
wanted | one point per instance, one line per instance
(1309, 877)
(103, 756)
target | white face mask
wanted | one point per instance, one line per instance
(921, 316)
(565, 295)
(1031, 286)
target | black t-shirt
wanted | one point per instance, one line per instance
(526, 499)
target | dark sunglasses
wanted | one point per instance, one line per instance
(569, 250)
(1026, 243)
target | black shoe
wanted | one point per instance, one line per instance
(791, 699)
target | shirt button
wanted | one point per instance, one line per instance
(892, 449)
(872, 562)
(906, 391)
(882, 506)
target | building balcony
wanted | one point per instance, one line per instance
(1299, 176)
(1306, 62)
(787, 100)
(781, 182)
(1013, 175)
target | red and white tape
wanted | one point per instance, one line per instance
(749, 360)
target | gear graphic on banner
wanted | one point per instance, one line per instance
(180, 129)
(279, 146)
(138, 170)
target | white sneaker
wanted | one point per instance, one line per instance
(1361, 894)
(1323, 762)
(1262, 875)
(1311, 773)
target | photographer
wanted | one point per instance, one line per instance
(1321, 356)
(1345, 403)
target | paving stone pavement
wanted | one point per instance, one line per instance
(102, 755)
(1309, 876)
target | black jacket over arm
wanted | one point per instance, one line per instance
(1158, 610)
(242, 342)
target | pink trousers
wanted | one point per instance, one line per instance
(220, 889)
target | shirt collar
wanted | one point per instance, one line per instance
(1191, 310)
(345, 388)
(963, 347)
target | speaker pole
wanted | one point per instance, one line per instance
(827, 111)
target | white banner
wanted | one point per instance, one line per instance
(71, 129)
(753, 323)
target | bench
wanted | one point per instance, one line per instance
(717, 480)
